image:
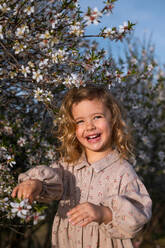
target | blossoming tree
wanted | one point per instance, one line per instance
(44, 51)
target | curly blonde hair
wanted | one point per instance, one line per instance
(69, 147)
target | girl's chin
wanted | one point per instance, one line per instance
(96, 147)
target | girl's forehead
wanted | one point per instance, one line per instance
(87, 102)
(86, 107)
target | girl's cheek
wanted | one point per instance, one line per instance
(79, 130)
(78, 133)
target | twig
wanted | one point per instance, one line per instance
(12, 229)
(9, 53)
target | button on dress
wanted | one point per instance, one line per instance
(111, 182)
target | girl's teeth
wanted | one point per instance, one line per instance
(93, 137)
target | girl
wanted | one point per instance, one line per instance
(103, 203)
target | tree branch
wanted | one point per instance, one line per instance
(7, 52)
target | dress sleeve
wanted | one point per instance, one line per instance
(131, 209)
(51, 178)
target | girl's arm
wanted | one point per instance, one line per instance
(42, 183)
(131, 209)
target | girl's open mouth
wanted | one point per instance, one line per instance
(93, 137)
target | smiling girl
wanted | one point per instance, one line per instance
(103, 203)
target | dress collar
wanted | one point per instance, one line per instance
(101, 164)
(82, 162)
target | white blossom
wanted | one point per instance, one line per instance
(37, 217)
(37, 76)
(146, 140)
(118, 76)
(38, 93)
(41, 95)
(10, 160)
(21, 142)
(19, 47)
(21, 31)
(134, 61)
(93, 16)
(76, 29)
(48, 95)
(29, 10)
(46, 35)
(43, 63)
(161, 155)
(108, 32)
(16, 9)
(21, 209)
(123, 28)
(150, 67)
(50, 154)
(32, 160)
(55, 20)
(109, 7)
(4, 7)
(59, 55)
(31, 64)
(1, 33)
(72, 79)
(2, 148)
(12, 74)
(4, 204)
(8, 130)
(25, 70)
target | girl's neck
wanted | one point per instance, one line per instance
(93, 157)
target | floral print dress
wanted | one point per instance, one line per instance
(111, 182)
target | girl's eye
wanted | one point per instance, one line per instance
(97, 117)
(79, 122)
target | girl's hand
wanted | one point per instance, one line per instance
(28, 189)
(85, 213)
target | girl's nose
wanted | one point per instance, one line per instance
(90, 125)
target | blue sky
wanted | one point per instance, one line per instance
(148, 14)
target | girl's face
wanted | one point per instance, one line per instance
(93, 128)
